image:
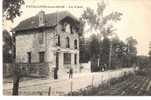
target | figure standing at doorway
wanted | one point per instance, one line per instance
(70, 73)
(56, 73)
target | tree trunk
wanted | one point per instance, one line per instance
(16, 84)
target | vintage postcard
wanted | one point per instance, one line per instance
(76, 47)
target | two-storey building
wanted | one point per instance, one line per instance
(48, 44)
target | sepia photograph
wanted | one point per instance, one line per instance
(76, 47)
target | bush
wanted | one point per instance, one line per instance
(141, 72)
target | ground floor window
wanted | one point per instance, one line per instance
(41, 57)
(67, 58)
(75, 58)
(29, 57)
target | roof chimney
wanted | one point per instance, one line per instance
(41, 16)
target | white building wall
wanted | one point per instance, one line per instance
(28, 42)
(24, 44)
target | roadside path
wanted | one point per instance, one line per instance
(64, 86)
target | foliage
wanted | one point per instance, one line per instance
(84, 50)
(119, 53)
(7, 46)
(132, 50)
(11, 8)
(150, 56)
(101, 23)
(150, 49)
(94, 46)
(149, 53)
(143, 61)
(104, 56)
(97, 20)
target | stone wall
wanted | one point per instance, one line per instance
(33, 69)
(7, 69)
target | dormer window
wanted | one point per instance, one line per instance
(41, 16)
(66, 28)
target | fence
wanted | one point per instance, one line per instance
(33, 69)
(7, 69)
(64, 86)
(88, 80)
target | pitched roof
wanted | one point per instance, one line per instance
(50, 20)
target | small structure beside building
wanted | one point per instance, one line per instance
(48, 44)
(85, 67)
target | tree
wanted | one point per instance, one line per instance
(11, 8)
(101, 24)
(105, 51)
(7, 47)
(149, 53)
(121, 53)
(84, 50)
(132, 50)
(99, 21)
(149, 57)
(143, 62)
(94, 46)
(150, 49)
(115, 61)
(93, 52)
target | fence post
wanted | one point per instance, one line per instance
(71, 87)
(92, 80)
(49, 91)
(40, 93)
(109, 78)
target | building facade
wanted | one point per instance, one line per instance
(48, 43)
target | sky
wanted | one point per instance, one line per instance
(136, 19)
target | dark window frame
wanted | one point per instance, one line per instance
(42, 57)
(64, 27)
(67, 42)
(71, 28)
(29, 57)
(41, 36)
(58, 40)
(75, 44)
(67, 58)
(75, 59)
